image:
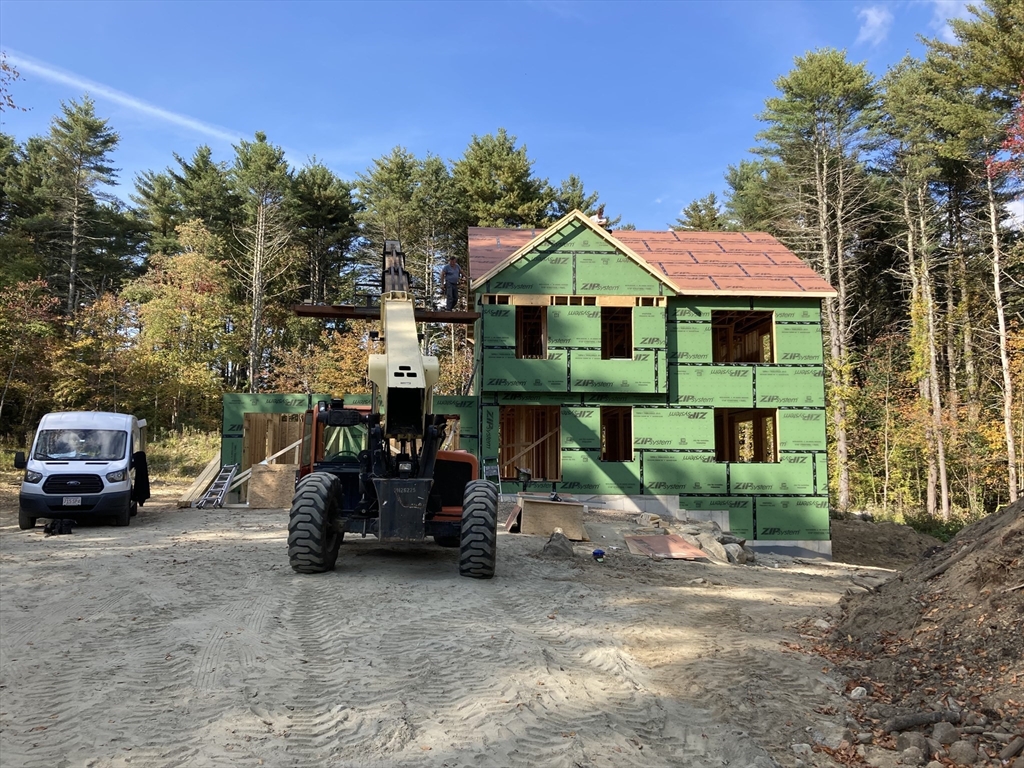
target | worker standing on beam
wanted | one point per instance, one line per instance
(451, 276)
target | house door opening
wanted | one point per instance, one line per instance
(530, 438)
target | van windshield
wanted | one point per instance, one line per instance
(80, 445)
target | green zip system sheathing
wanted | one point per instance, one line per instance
(782, 518)
(740, 509)
(502, 370)
(573, 327)
(801, 430)
(673, 385)
(584, 472)
(690, 429)
(236, 405)
(575, 261)
(778, 387)
(721, 386)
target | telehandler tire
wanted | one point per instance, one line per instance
(313, 542)
(479, 546)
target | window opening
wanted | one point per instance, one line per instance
(616, 333)
(531, 332)
(617, 433)
(530, 438)
(746, 435)
(742, 337)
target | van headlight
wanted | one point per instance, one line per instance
(33, 477)
(117, 477)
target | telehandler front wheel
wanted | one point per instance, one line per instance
(313, 542)
(478, 548)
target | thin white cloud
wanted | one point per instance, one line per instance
(942, 12)
(876, 20)
(27, 66)
(1015, 214)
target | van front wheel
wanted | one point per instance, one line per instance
(124, 517)
(24, 521)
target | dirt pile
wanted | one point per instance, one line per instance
(881, 545)
(944, 640)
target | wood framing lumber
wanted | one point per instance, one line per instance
(198, 488)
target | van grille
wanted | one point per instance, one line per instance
(73, 484)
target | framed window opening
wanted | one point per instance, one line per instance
(616, 333)
(530, 438)
(617, 433)
(739, 336)
(531, 332)
(747, 435)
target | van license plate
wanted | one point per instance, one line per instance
(72, 501)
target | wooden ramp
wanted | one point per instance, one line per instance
(198, 488)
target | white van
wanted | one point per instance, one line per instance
(84, 464)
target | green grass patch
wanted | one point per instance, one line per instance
(922, 522)
(180, 455)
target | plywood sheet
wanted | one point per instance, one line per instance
(664, 547)
(541, 517)
(272, 486)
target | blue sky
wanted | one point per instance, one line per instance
(648, 102)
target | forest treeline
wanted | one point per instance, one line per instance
(896, 189)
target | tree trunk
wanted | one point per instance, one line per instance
(73, 256)
(918, 342)
(933, 368)
(257, 290)
(1004, 359)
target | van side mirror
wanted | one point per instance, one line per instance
(19, 460)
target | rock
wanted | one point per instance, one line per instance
(709, 544)
(1012, 749)
(728, 538)
(910, 739)
(881, 758)
(865, 738)
(1019, 762)
(822, 624)
(945, 733)
(963, 753)
(934, 764)
(801, 749)
(858, 693)
(934, 746)
(735, 553)
(751, 555)
(558, 546)
(912, 756)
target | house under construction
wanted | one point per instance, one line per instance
(686, 366)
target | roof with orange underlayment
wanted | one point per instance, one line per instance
(693, 263)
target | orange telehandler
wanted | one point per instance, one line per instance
(379, 470)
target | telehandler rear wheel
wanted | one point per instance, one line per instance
(479, 545)
(313, 542)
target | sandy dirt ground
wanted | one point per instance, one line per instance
(186, 640)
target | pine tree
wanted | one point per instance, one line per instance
(263, 253)
(703, 215)
(324, 214)
(819, 129)
(80, 144)
(495, 179)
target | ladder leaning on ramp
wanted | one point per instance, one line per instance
(214, 496)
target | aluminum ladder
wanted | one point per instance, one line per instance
(214, 496)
